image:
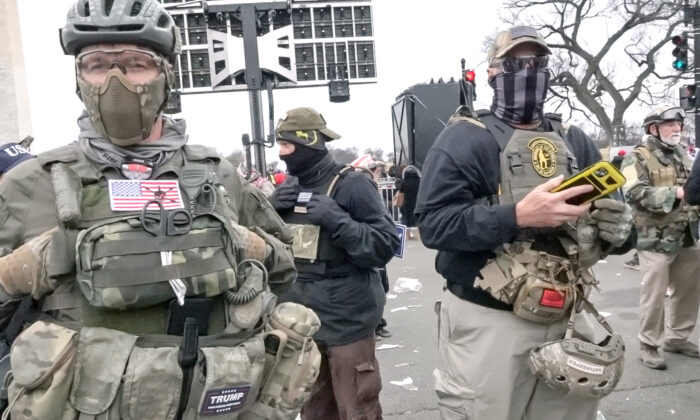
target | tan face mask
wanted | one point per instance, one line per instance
(122, 111)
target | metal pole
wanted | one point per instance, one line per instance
(253, 77)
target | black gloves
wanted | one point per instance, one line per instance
(324, 211)
(285, 196)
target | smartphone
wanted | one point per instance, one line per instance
(603, 176)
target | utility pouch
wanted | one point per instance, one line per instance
(288, 384)
(43, 360)
(542, 301)
(226, 380)
(100, 363)
(197, 308)
(120, 266)
(306, 239)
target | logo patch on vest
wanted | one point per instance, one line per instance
(544, 156)
(224, 400)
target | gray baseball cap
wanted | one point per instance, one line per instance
(506, 40)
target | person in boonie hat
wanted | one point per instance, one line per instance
(342, 235)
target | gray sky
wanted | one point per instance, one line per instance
(413, 44)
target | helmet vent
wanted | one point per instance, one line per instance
(86, 28)
(108, 7)
(136, 8)
(129, 28)
(163, 21)
(84, 9)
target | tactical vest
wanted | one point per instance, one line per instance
(666, 232)
(315, 256)
(541, 286)
(117, 344)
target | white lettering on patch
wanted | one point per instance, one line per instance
(582, 366)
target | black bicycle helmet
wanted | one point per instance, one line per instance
(141, 22)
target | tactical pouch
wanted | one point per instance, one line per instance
(543, 302)
(295, 363)
(226, 380)
(43, 360)
(306, 239)
(119, 265)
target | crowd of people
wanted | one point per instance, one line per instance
(145, 277)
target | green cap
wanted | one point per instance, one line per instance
(304, 119)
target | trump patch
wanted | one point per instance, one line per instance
(224, 400)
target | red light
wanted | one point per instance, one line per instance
(470, 75)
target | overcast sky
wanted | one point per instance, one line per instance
(414, 43)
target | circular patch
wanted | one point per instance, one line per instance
(544, 156)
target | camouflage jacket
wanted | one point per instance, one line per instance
(28, 202)
(654, 173)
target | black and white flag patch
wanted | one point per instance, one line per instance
(224, 400)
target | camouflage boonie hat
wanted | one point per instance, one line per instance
(302, 126)
(506, 40)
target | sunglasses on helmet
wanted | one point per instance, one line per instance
(513, 64)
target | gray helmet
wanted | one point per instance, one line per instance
(141, 22)
(578, 367)
(661, 114)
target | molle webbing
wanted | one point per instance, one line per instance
(137, 277)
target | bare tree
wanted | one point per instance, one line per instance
(377, 152)
(601, 80)
(343, 155)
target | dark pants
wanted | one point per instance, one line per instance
(348, 384)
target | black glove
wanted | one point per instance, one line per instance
(285, 196)
(324, 211)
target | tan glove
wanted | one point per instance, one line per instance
(23, 271)
(252, 246)
(614, 220)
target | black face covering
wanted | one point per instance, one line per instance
(302, 158)
(518, 98)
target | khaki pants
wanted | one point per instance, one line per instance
(679, 272)
(348, 384)
(482, 373)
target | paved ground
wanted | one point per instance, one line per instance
(641, 394)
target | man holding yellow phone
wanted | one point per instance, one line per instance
(515, 255)
(667, 230)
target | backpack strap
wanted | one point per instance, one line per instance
(340, 175)
(558, 127)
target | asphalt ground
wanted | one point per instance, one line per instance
(642, 393)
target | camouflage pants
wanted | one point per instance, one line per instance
(679, 273)
(348, 384)
(482, 371)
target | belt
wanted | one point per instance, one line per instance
(477, 296)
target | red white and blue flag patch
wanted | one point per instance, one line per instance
(132, 195)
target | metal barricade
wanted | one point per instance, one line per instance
(387, 189)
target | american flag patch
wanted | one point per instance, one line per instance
(132, 195)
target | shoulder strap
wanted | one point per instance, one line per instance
(643, 151)
(64, 154)
(340, 175)
(557, 127)
(197, 152)
(501, 131)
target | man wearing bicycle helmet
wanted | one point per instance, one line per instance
(667, 229)
(150, 262)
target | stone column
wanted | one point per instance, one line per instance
(15, 120)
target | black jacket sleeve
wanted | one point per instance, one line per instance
(366, 230)
(692, 186)
(461, 167)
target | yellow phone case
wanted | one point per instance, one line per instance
(603, 176)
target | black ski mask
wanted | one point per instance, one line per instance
(518, 97)
(303, 158)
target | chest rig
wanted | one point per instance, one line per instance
(314, 253)
(539, 282)
(666, 232)
(116, 344)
